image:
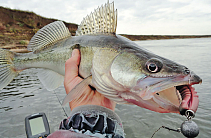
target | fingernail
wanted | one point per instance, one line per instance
(73, 52)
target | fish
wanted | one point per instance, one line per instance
(115, 66)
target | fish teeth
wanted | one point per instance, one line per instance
(161, 76)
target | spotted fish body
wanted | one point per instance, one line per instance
(118, 68)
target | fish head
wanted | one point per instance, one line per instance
(155, 83)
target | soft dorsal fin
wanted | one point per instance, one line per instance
(48, 35)
(102, 21)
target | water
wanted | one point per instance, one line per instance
(25, 95)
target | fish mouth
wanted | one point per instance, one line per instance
(170, 94)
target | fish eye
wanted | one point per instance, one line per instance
(154, 65)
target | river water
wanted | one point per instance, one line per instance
(25, 95)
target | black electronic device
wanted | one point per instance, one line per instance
(37, 126)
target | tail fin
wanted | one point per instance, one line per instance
(7, 71)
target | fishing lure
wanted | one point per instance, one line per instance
(188, 128)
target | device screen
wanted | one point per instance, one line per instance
(37, 125)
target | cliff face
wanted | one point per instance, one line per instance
(18, 26)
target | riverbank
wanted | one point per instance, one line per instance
(20, 45)
(159, 37)
(18, 27)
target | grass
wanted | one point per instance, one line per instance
(22, 42)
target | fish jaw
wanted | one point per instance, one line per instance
(173, 94)
(150, 104)
(150, 85)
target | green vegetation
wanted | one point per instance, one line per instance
(20, 24)
(22, 42)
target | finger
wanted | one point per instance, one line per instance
(71, 66)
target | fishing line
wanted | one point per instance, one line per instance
(188, 128)
(60, 104)
(170, 129)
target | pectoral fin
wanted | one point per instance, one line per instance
(77, 91)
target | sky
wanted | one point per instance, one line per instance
(139, 17)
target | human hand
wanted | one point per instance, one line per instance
(89, 96)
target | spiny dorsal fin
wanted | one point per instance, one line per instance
(48, 35)
(102, 21)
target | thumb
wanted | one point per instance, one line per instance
(71, 66)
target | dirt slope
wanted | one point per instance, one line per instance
(17, 27)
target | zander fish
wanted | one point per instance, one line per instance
(115, 66)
